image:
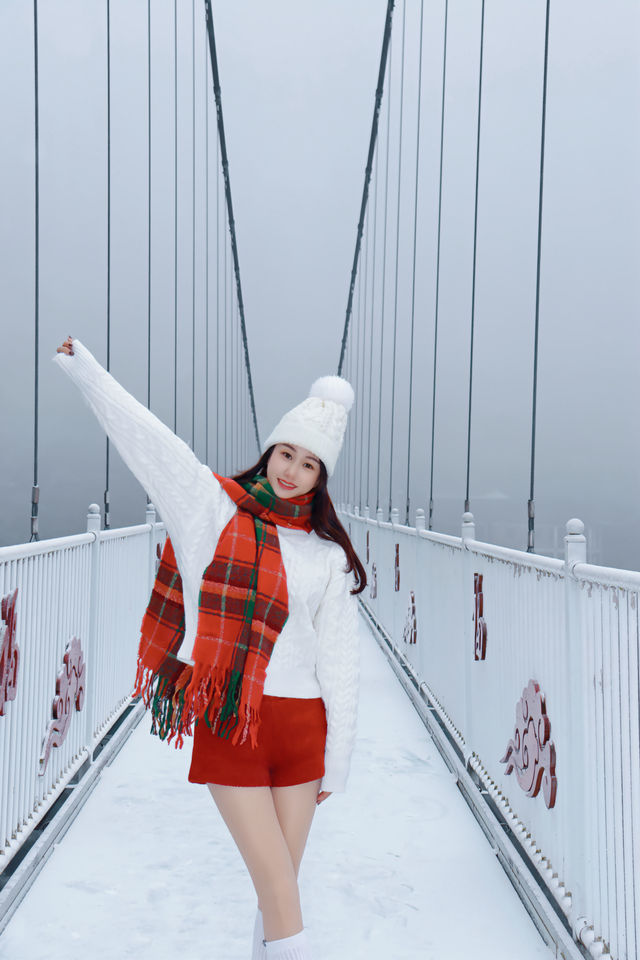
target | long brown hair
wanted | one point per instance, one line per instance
(324, 519)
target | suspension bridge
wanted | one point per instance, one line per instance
(494, 802)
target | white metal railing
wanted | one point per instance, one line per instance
(92, 587)
(570, 627)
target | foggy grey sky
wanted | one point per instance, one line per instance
(298, 82)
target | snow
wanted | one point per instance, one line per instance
(395, 869)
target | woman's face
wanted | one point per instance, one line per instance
(292, 471)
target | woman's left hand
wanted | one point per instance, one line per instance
(323, 795)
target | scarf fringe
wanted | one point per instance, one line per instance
(196, 695)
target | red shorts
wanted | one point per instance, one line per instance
(291, 743)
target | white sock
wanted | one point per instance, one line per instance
(259, 951)
(290, 948)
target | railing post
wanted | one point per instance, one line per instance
(578, 824)
(421, 521)
(150, 518)
(468, 533)
(90, 645)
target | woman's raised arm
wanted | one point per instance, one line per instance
(184, 490)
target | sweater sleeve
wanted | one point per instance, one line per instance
(338, 671)
(184, 490)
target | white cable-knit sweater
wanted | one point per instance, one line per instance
(317, 652)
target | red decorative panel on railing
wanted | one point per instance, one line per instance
(531, 753)
(373, 590)
(410, 632)
(397, 568)
(9, 654)
(69, 696)
(480, 631)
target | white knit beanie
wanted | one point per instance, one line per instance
(319, 422)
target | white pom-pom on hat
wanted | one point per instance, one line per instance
(319, 422)
(333, 388)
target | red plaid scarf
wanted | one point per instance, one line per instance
(243, 606)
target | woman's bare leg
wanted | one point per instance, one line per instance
(295, 807)
(250, 815)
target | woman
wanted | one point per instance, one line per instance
(257, 656)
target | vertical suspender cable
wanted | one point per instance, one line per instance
(148, 205)
(437, 304)
(224, 357)
(229, 404)
(531, 503)
(232, 226)
(413, 279)
(232, 405)
(358, 353)
(206, 252)
(149, 212)
(353, 348)
(364, 347)
(384, 276)
(373, 300)
(106, 498)
(475, 250)
(175, 216)
(367, 177)
(365, 314)
(193, 225)
(218, 464)
(395, 306)
(35, 490)
(238, 390)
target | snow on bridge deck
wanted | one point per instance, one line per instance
(395, 869)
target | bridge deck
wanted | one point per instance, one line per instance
(397, 867)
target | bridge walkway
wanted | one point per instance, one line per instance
(395, 869)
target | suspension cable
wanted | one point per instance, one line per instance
(437, 303)
(35, 489)
(232, 392)
(193, 224)
(384, 274)
(224, 353)
(232, 226)
(531, 503)
(356, 358)
(175, 216)
(395, 306)
(367, 176)
(413, 279)
(106, 496)
(217, 305)
(206, 251)
(475, 250)
(365, 284)
(149, 212)
(373, 297)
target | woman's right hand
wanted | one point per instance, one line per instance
(67, 347)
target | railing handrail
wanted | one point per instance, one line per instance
(537, 561)
(118, 533)
(591, 572)
(614, 576)
(17, 551)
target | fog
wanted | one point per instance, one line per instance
(298, 83)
